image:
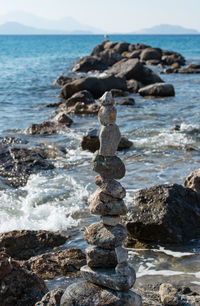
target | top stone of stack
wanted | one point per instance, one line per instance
(107, 99)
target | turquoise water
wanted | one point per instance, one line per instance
(57, 200)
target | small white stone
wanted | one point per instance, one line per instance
(122, 254)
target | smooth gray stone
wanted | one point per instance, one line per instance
(107, 115)
(113, 208)
(109, 138)
(88, 294)
(122, 254)
(104, 236)
(98, 257)
(109, 167)
(111, 220)
(107, 99)
(109, 278)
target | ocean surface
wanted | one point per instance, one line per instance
(57, 199)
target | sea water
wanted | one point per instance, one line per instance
(57, 199)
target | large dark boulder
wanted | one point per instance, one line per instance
(24, 244)
(19, 286)
(83, 96)
(97, 86)
(121, 47)
(164, 214)
(89, 63)
(134, 69)
(171, 57)
(157, 90)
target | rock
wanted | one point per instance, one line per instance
(107, 98)
(173, 58)
(51, 298)
(121, 47)
(97, 86)
(99, 48)
(157, 90)
(135, 54)
(63, 119)
(140, 46)
(107, 115)
(134, 69)
(193, 66)
(118, 93)
(91, 142)
(97, 257)
(111, 188)
(133, 86)
(81, 109)
(113, 208)
(109, 167)
(168, 294)
(164, 214)
(175, 65)
(105, 237)
(122, 254)
(83, 96)
(9, 140)
(154, 62)
(109, 139)
(110, 57)
(124, 144)
(86, 293)
(126, 101)
(17, 285)
(89, 63)
(61, 263)
(188, 70)
(193, 181)
(151, 54)
(108, 278)
(24, 244)
(122, 269)
(110, 220)
(17, 163)
(62, 80)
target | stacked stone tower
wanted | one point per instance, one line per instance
(108, 276)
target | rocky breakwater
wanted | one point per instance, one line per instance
(108, 276)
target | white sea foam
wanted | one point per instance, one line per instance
(44, 203)
(173, 253)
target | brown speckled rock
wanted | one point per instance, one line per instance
(98, 257)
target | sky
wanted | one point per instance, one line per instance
(113, 15)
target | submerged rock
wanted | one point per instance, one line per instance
(17, 285)
(157, 90)
(126, 101)
(86, 293)
(24, 244)
(51, 298)
(164, 214)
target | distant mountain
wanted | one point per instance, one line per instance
(167, 29)
(16, 28)
(66, 25)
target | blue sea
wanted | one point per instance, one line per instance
(57, 200)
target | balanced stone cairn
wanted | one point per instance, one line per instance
(108, 276)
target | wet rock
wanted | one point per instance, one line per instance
(126, 101)
(110, 220)
(108, 278)
(99, 48)
(110, 57)
(121, 47)
(86, 293)
(91, 142)
(83, 96)
(118, 93)
(107, 115)
(133, 86)
(61, 263)
(109, 187)
(122, 268)
(164, 214)
(97, 257)
(172, 57)
(97, 86)
(62, 80)
(17, 163)
(81, 109)
(24, 244)
(63, 119)
(168, 294)
(193, 181)
(154, 62)
(157, 90)
(89, 63)
(17, 285)
(151, 54)
(108, 166)
(188, 70)
(109, 139)
(10, 140)
(51, 298)
(105, 237)
(134, 69)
